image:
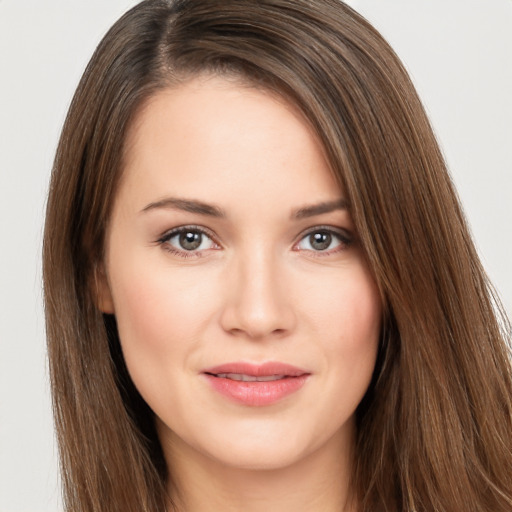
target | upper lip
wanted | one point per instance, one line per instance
(257, 369)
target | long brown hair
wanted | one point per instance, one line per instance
(435, 427)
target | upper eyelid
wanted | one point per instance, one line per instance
(332, 229)
(338, 231)
(190, 227)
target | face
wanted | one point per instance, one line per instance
(247, 316)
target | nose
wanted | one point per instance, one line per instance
(257, 303)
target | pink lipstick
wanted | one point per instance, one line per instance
(256, 384)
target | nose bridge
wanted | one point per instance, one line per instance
(258, 303)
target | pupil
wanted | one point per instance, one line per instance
(190, 240)
(320, 241)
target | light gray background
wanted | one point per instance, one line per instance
(459, 53)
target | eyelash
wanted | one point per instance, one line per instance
(344, 237)
(166, 237)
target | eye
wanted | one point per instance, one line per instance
(325, 240)
(187, 241)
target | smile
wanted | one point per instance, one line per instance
(256, 385)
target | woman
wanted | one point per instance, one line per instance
(260, 289)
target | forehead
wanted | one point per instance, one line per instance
(212, 135)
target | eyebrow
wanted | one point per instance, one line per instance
(201, 208)
(187, 205)
(319, 209)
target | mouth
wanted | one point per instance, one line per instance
(249, 378)
(256, 385)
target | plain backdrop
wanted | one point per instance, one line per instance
(459, 53)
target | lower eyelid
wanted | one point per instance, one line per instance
(182, 254)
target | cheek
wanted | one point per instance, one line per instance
(359, 323)
(347, 306)
(358, 318)
(347, 322)
(159, 313)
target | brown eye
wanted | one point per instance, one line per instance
(190, 240)
(325, 240)
(187, 241)
(320, 241)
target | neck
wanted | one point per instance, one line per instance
(317, 482)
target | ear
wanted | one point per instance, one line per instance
(102, 293)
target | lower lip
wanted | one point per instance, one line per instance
(257, 394)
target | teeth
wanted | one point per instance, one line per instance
(249, 378)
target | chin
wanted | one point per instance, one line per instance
(261, 445)
(265, 456)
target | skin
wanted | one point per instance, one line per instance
(257, 289)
